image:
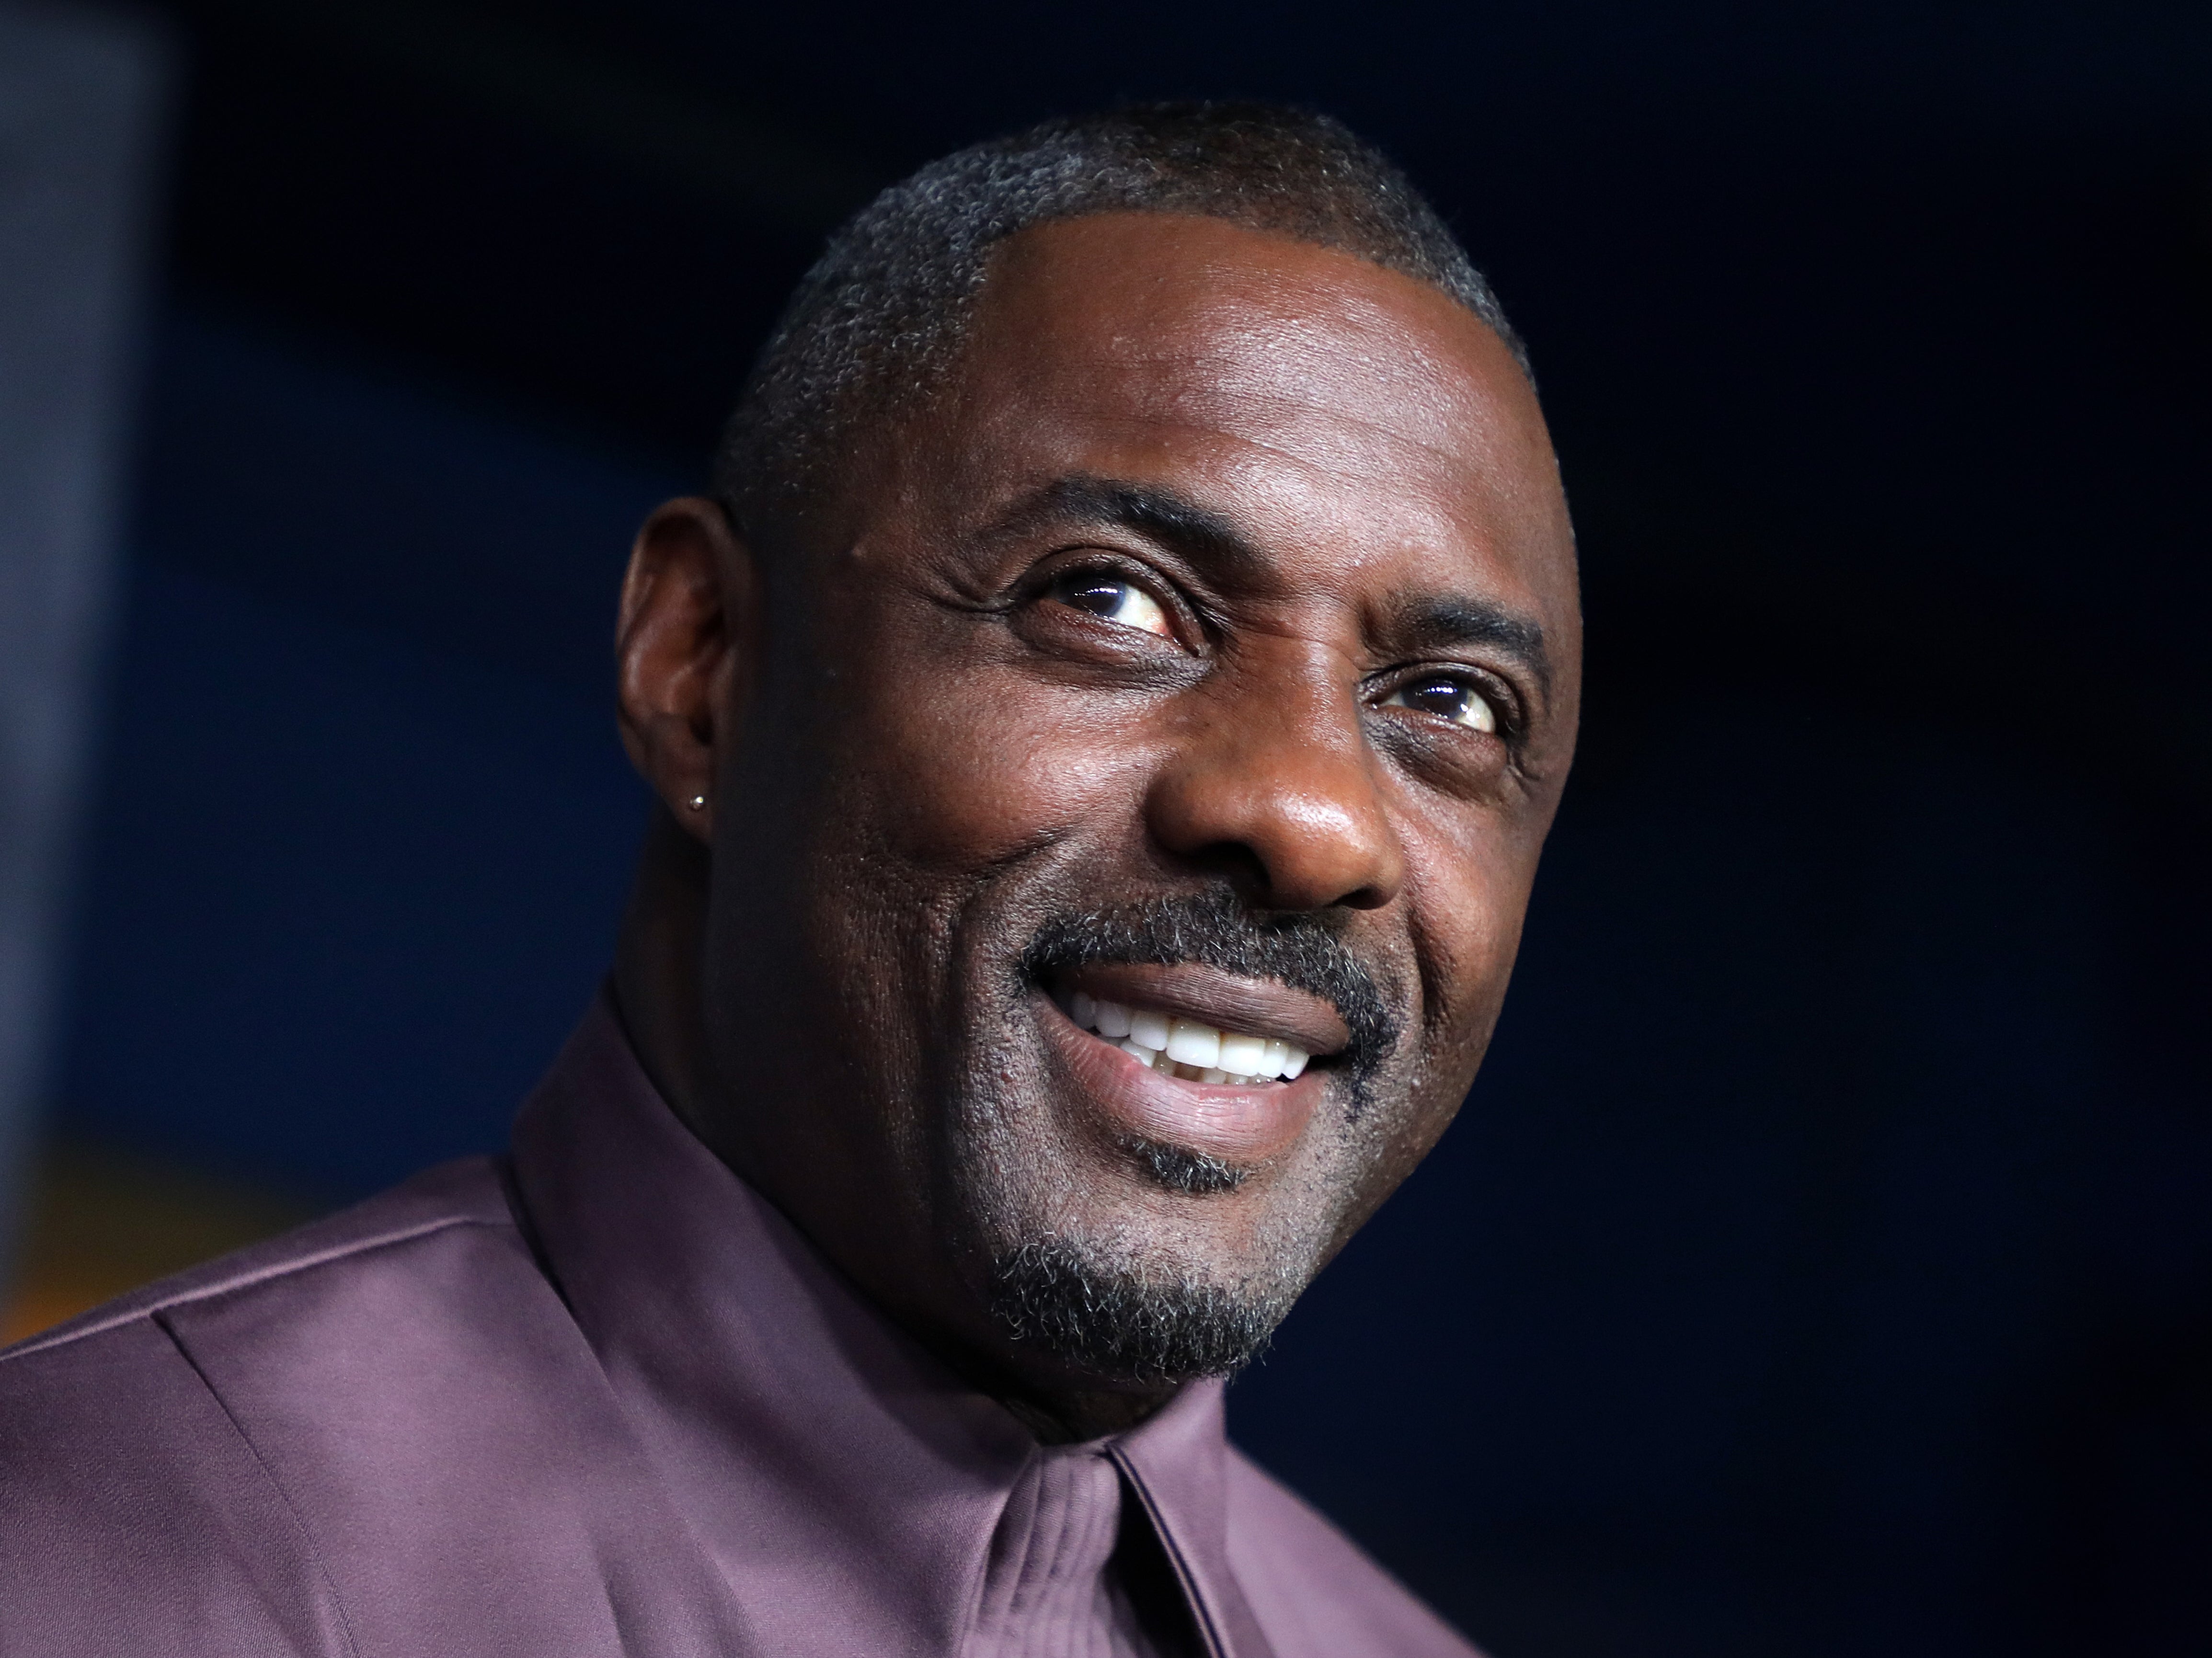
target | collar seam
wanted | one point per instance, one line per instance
(1209, 1629)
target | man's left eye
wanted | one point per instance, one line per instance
(1117, 601)
(1448, 698)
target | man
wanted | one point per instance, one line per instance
(1104, 725)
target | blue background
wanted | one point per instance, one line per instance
(1823, 1263)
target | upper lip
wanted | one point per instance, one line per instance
(1190, 990)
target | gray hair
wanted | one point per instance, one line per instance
(883, 311)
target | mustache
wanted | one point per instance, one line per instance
(1216, 929)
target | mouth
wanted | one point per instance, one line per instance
(1192, 1058)
(1189, 1049)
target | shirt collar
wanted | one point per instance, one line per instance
(825, 1461)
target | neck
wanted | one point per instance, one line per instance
(657, 973)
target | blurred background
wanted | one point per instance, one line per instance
(1823, 1264)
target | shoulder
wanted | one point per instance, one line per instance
(139, 1490)
(1312, 1589)
(463, 1193)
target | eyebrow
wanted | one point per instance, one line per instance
(1441, 621)
(1161, 515)
(1424, 622)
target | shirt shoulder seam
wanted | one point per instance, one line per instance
(268, 1475)
(155, 1315)
(186, 1296)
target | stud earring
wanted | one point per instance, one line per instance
(697, 803)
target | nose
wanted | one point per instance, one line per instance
(1272, 782)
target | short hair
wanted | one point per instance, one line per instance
(872, 328)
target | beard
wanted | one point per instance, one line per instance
(1130, 1318)
(1131, 1301)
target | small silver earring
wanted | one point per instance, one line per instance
(697, 803)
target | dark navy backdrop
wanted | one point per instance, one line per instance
(364, 826)
(1824, 1262)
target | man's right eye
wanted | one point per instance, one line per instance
(1123, 603)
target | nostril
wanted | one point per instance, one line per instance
(1368, 898)
(1240, 866)
(1291, 882)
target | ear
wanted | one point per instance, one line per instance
(684, 649)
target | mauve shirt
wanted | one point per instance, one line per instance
(599, 1397)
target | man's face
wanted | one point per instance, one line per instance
(1208, 654)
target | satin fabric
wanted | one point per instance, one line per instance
(599, 1397)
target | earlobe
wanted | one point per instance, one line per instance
(688, 618)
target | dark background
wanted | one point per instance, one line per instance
(1823, 1264)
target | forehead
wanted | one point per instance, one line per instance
(1326, 403)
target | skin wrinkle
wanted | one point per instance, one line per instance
(959, 763)
(1280, 484)
(1169, 520)
(1496, 623)
(1192, 388)
(1366, 549)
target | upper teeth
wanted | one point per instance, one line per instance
(1199, 1052)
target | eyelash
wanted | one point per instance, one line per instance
(1181, 616)
(1504, 703)
(1497, 696)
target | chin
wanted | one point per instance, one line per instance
(1134, 1260)
(1131, 1206)
(1115, 1315)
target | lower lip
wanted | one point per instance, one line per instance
(1242, 1127)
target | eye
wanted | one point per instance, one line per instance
(1448, 698)
(1113, 599)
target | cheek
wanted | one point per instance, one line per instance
(976, 765)
(1468, 877)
